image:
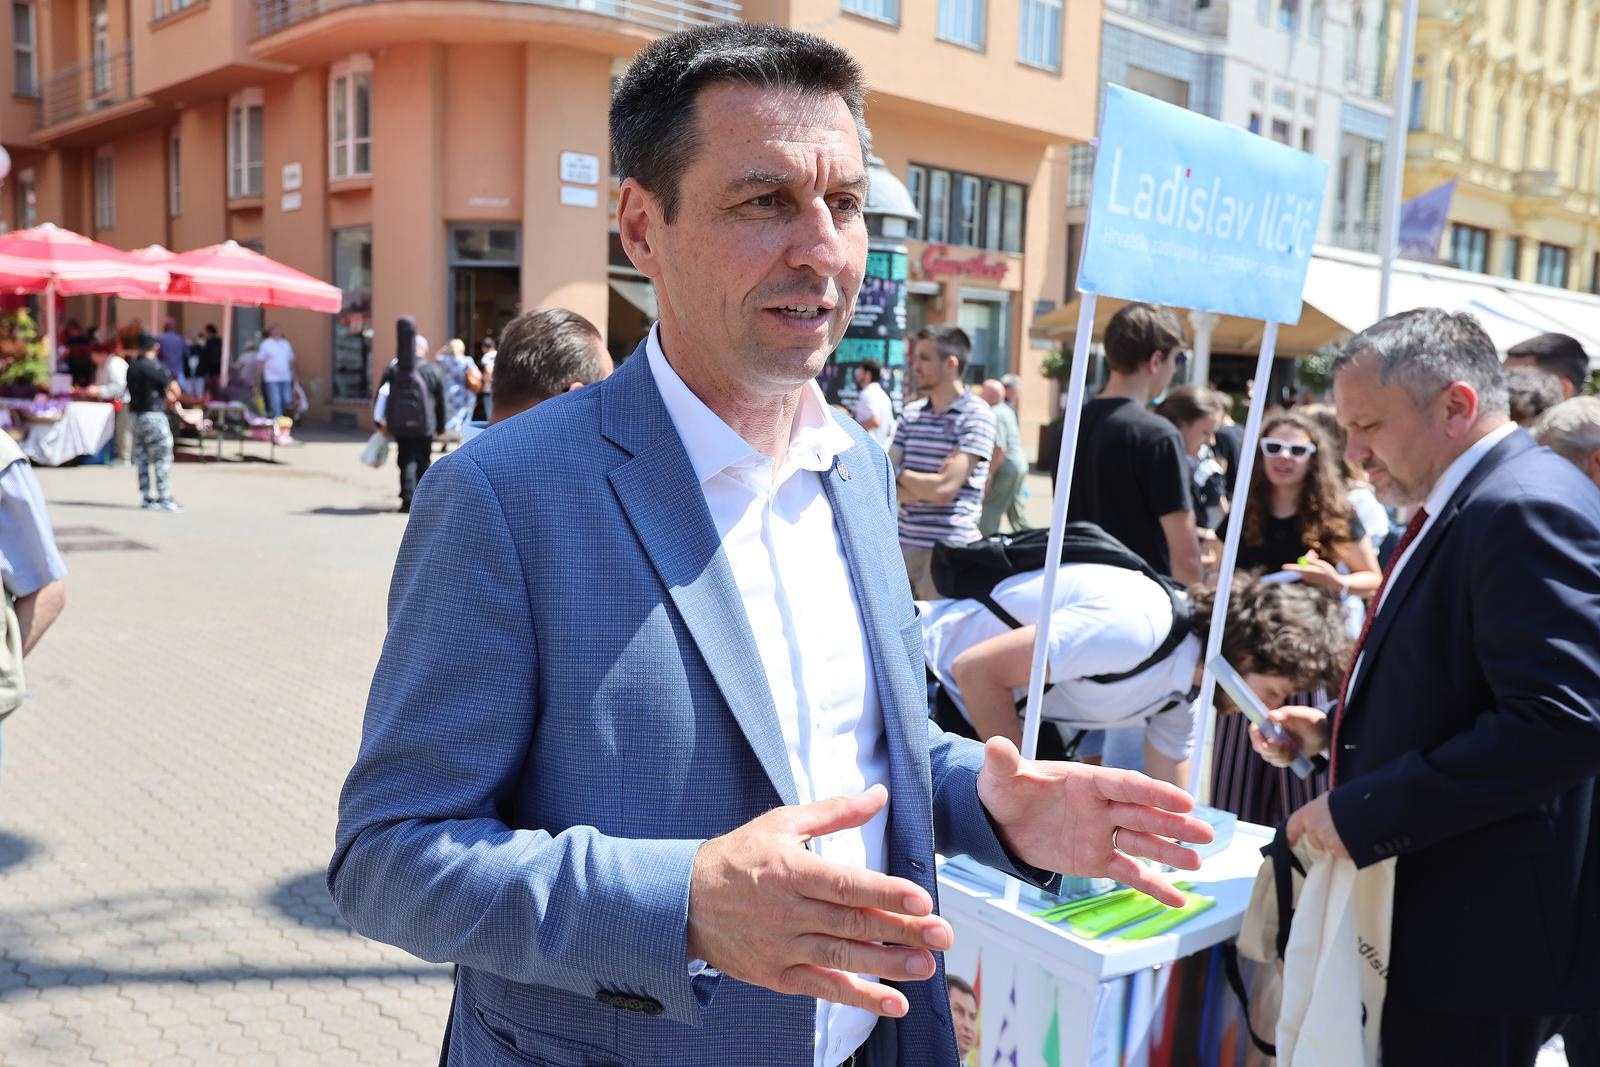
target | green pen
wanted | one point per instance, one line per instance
(1104, 920)
(1160, 924)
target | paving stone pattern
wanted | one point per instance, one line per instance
(167, 797)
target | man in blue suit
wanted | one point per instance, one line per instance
(1468, 742)
(677, 803)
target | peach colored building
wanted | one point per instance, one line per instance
(448, 159)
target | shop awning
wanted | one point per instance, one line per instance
(641, 295)
(1341, 299)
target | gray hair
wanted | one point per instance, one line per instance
(1571, 429)
(1424, 351)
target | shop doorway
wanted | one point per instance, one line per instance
(986, 316)
(485, 281)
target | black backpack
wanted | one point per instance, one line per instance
(971, 571)
(410, 411)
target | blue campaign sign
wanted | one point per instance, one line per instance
(1194, 213)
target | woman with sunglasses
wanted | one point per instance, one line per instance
(1298, 521)
(1298, 518)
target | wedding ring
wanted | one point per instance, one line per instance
(1114, 831)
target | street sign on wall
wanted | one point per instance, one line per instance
(1192, 212)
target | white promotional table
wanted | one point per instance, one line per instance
(1098, 1003)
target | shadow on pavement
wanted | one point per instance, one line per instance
(305, 900)
(15, 849)
(364, 510)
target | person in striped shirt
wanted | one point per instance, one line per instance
(941, 452)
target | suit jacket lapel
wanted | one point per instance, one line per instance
(1515, 444)
(665, 505)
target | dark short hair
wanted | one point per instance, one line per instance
(949, 340)
(487, 342)
(653, 107)
(956, 982)
(873, 368)
(1425, 350)
(542, 353)
(1138, 331)
(211, 327)
(1531, 391)
(1557, 354)
(1189, 404)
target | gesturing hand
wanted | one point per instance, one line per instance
(1060, 816)
(766, 911)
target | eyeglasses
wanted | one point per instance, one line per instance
(1271, 446)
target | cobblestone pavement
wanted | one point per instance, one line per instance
(167, 798)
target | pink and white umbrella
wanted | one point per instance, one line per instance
(230, 274)
(47, 259)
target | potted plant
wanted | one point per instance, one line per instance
(24, 366)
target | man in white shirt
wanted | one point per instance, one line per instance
(647, 810)
(874, 410)
(275, 358)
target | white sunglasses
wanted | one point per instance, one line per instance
(1271, 446)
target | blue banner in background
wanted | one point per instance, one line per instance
(1194, 213)
(1422, 222)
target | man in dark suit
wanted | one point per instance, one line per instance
(1468, 739)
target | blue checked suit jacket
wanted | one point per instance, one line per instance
(531, 790)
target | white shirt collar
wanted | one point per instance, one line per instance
(815, 439)
(1457, 472)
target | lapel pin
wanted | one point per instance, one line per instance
(844, 472)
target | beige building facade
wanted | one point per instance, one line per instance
(448, 159)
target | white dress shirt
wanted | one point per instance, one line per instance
(1443, 490)
(783, 546)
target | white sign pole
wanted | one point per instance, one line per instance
(1200, 760)
(1394, 155)
(1077, 381)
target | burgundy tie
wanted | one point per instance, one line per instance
(1413, 528)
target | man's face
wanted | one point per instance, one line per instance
(759, 271)
(964, 1014)
(861, 378)
(1273, 689)
(1403, 448)
(1165, 369)
(929, 369)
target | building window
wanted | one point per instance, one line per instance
(1580, 160)
(1469, 115)
(1264, 12)
(882, 10)
(1255, 122)
(962, 22)
(1552, 269)
(1529, 122)
(1305, 138)
(105, 191)
(1080, 175)
(100, 46)
(163, 8)
(1566, 36)
(174, 175)
(1417, 94)
(352, 327)
(964, 228)
(986, 212)
(1469, 247)
(1319, 16)
(1039, 40)
(27, 200)
(1283, 98)
(1512, 265)
(936, 220)
(350, 118)
(1258, 91)
(24, 49)
(244, 143)
(1280, 131)
(1289, 16)
(1538, 23)
(917, 186)
(1498, 141)
(1510, 26)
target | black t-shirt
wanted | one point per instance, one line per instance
(147, 386)
(1230, 439)
(1130, 470)
(1281, 543)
